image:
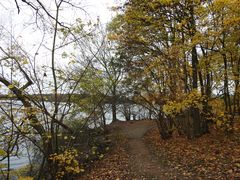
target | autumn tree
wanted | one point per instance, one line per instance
(169, 47)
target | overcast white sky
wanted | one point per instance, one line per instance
(28, 35)
(23, 29)
(101, 8)
(95, 8)
(20, 22)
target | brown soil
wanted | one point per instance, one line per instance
(141, 161)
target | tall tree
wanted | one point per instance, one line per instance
(169, 47)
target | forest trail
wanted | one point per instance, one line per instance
(131, 158)
(142, 162)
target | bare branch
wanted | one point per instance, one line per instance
(18, 8)
(30, 4)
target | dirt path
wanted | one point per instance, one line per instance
(130, 159)
(141, 160)
(138, 157)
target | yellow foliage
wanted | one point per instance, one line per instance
(166, 2)
(25, 178)
(217, 106)
(3, 165)
(66, 163)
(113, 36)
(223, 122)
(193, 99)
(11, 86)
(2, 152)
(221, 119)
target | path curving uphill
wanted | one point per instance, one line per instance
(131, 158)
(142, 162)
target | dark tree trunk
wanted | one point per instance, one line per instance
(127, 111)
(236, 93)
(206, 108)
(196, 120)
(163, 127)
(114, 111)
(195, 111)
(103, 115)
(114, 106)
(150, 114)
(227, 100)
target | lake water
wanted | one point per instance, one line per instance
(17, 162)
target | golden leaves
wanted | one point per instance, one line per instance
(113, 36)
(114, 165)
(210, 157)
(66, 163)
(26, 178)
(11, 86)
(193, 99)
(2, 152)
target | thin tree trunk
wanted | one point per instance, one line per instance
(114, 106)
(194, 111)
(163, 127)
(227, 100)
(114, 111)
